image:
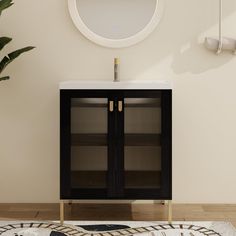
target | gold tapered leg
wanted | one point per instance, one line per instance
(170, 212)
(62, 212)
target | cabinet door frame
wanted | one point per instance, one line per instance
(66, 190)
(65, 144)
(165, 191)
(166, 143)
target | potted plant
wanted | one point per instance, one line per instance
(6, 60)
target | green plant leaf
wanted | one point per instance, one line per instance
(4, 62)
(4, 41)
(4, 4)
(4, 78)
(15, 54)
(12, 56)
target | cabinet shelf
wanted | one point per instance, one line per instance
(89, 102)
(89, 139)
(88, 179)
(142, 139)
(101, 139)
(133, 179)
(143, 102)
(142, 179)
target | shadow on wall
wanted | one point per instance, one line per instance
(180, 36)
(192, 56)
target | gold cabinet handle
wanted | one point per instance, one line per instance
(111, 106)
(120, 106)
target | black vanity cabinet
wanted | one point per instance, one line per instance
(115, 144)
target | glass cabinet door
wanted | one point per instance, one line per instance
(88, 144)
(142, 143)
(115, 144)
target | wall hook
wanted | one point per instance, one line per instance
(222, 43)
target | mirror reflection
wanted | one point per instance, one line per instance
(116, 19)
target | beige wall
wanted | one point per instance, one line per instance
(204, 97)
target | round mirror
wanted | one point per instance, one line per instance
(116, 23)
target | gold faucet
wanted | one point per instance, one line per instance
(116, 67)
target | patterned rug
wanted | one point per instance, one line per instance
(115, 228)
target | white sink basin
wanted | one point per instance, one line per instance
(104, 84)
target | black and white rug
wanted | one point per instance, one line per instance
(115, 228)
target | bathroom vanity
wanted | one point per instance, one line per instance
(115, 140)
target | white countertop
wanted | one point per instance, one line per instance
(105, 84)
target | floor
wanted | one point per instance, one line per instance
(192, 212)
